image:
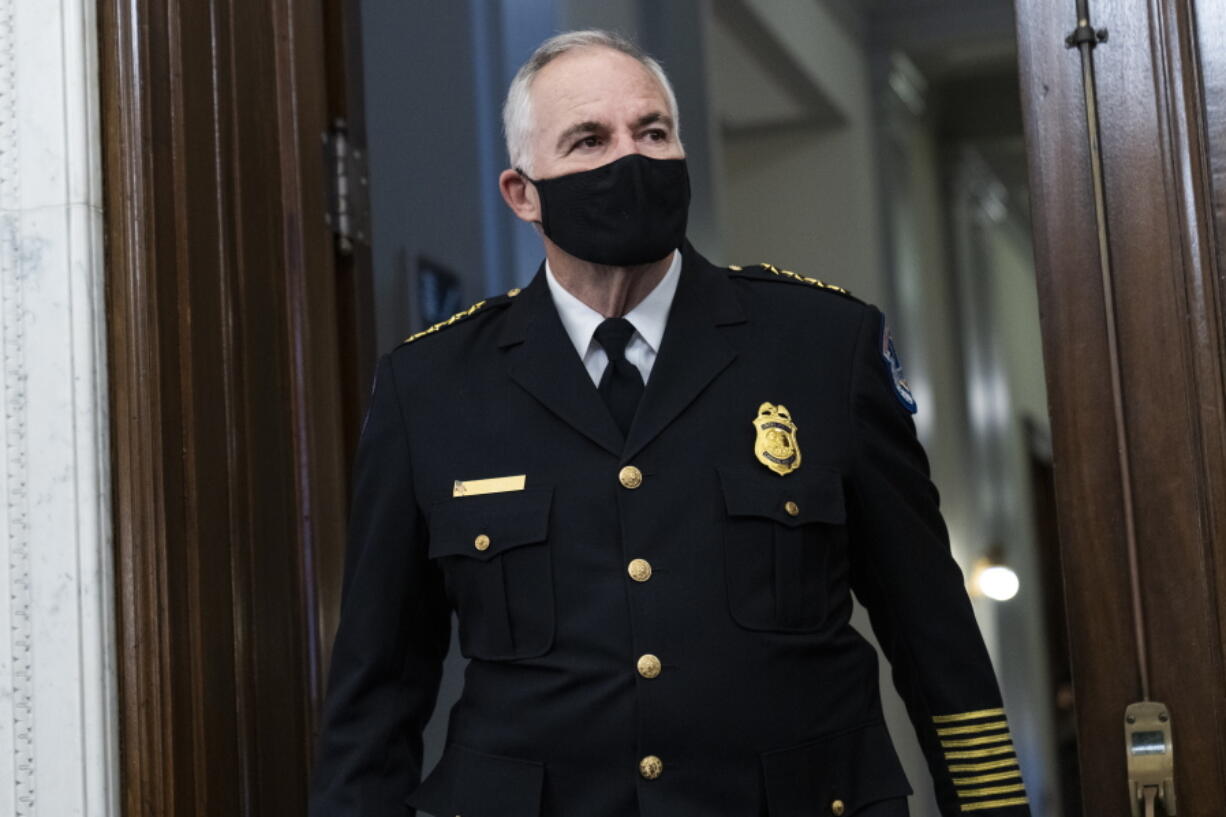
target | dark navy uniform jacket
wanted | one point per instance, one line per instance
(658, 625)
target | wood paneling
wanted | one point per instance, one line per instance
(227, 417)
(1166, 306)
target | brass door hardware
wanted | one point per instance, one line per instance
(1151, 758)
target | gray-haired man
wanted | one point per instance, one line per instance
(647, 486)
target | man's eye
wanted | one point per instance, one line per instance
(588, 142)
(657, 135)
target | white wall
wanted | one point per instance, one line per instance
(1023, 663)
(804, 196)
(58, 713)
(926, 325)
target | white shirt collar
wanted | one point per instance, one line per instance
(649, 318)
(651, 315)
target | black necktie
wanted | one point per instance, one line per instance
(621, 385)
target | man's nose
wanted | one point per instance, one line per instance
(624, 144)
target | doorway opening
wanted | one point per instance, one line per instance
(876, 145)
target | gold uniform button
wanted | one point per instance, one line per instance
(651, 767)
(639, 570)
(649, 666)
(792, 508)
(836, 808)
(514, 292)
(630, 477)
(482, 542)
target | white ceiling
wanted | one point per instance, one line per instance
(755, 85)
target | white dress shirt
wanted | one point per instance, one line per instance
(648, 320)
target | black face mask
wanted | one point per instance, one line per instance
(630, 211)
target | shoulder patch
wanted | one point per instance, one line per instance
(794, 276)
(889, 355)
(464, 314)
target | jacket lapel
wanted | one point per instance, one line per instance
(542, 360)
(693, 350)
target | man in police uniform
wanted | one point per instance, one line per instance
(647, 486)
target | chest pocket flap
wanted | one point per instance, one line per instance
(781, 536)
(485, 526)
(494, 550)
(812, 494)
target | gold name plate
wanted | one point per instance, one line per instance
(497, 485)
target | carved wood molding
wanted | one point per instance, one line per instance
(148, 746)
(228, 460)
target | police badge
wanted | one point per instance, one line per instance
(775, 445)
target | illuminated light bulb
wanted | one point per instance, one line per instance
(998, 583)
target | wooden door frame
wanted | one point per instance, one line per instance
(229, 428)
(1168, 312)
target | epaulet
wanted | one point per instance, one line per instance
(795, 276)
(465, 314)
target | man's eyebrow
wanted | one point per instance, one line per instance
(574, 130)
(592, 126)
(652, 118)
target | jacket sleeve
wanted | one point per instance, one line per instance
(903, 573)
(395, 628)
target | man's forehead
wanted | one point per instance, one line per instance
(592, 75)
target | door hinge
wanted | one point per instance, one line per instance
(348, 211)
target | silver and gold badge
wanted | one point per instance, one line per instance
(776, 446)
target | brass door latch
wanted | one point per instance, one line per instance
(1151, 758)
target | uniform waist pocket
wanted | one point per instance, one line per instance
(778, 537)
(466, 781)
(494, 553)
(841, 773)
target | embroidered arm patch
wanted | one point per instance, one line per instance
(889, 356)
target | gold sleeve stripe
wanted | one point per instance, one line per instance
(972, 728)
(971, 754)
(988, 778)
(969, 716)
(980, 741)
(983, 767)
(991, 790)
(1011, 801)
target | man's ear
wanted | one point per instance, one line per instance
(520, 196)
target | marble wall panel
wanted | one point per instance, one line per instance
(58, 742)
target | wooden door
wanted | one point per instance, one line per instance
(1141, 491)
(235, 341)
